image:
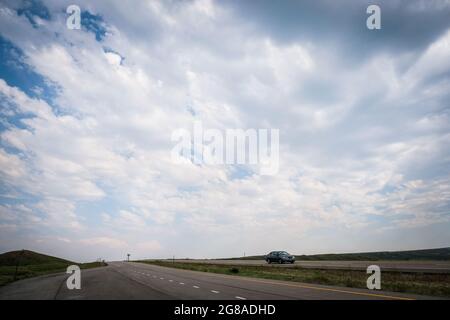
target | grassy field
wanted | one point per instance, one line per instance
(442, 254)
(32, 264)
(424, 284)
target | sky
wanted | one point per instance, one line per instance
(86, 118)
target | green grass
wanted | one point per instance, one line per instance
(417, 283)
(442, 254)
(27, 257)
(32, 264)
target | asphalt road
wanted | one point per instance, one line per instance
(400, 266)
(122, 280)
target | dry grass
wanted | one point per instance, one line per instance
(417, 283)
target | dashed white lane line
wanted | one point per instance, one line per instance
(182, 283)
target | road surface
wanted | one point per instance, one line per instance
(400, 266)
(129, 280)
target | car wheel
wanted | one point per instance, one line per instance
(280, 261)
(268, 261)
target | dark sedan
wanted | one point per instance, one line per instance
(280, 257)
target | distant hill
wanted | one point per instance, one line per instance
(26, 257)
(426, 254)
(31, 264)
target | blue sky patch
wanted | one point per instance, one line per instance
(33, 9)
(17, 73)
(94, 23)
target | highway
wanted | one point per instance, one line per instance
(129, 280)
(400, 266)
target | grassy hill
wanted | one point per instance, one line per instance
(426, 254)
(31, 264)
(27, 257)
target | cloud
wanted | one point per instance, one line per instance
(149, 246)
(363, 121)
(104, 242)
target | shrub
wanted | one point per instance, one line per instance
(234, 270)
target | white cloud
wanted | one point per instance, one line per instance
(104, 242)
(97, 161)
